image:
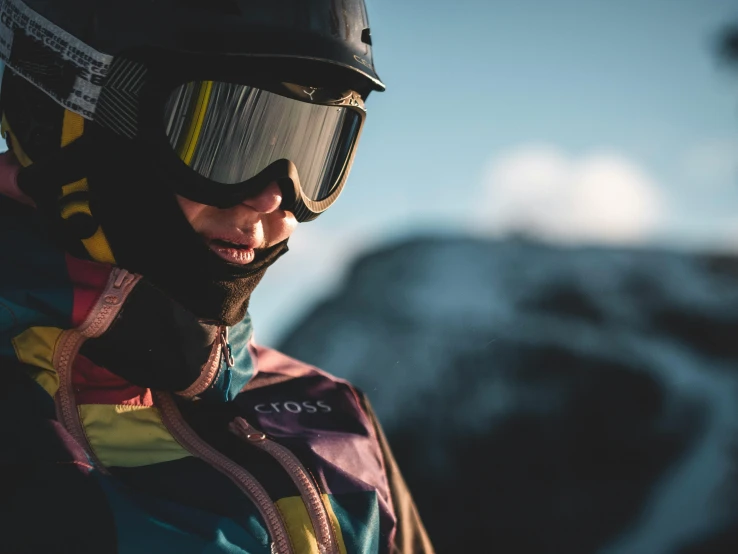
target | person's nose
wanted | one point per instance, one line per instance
(267, 201)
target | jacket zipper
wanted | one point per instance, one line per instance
(300, 477)
(107, 308)
(66, 407)
(185, 436)
(98, 320)
(226, 347)
(221, 349)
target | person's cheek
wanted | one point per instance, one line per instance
(194, 212)
(286, 224)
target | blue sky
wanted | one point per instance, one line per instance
(468, 80)
(580, 120)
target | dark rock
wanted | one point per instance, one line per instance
(723, 542)
(572, 456)
(712, 334)
(565, 300)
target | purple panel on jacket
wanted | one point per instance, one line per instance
(320, 418)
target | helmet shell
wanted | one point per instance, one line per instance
(331, 31)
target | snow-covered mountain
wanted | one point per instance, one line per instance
(545, 399)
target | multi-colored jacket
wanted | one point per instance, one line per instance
(261, 454)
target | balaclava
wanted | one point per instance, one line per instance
(103, 198)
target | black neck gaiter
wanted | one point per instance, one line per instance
(146, 229)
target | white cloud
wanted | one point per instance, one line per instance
(596, 198)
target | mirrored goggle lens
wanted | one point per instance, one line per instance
(229, 133)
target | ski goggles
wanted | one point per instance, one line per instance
(235, 139)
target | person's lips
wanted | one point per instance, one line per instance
(235, 250)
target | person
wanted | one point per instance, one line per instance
(160, 154)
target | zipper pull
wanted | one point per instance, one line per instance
(122, 277)
(241, 428)
(226, 347)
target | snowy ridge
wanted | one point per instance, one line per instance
(590, 394)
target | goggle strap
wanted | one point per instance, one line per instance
(64, 67)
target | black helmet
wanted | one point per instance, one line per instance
(335, 33)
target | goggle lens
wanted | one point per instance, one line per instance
(230, 132)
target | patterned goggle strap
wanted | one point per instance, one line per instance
(78, 77)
